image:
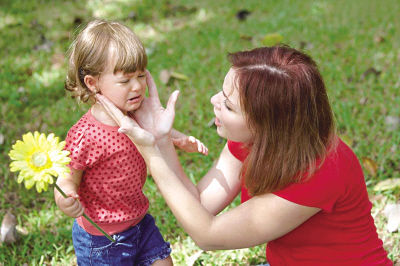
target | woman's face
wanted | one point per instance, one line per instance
(229, 117)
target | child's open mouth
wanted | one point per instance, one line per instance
(135, 99)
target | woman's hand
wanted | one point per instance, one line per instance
(151, 116)
(126, 124)
(151, 121)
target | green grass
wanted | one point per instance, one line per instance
(346, 38)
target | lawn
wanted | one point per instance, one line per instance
(355, 43)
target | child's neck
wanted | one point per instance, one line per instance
(102, 116)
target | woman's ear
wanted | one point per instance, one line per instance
(91, 83)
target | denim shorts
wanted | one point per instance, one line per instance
(141, 244)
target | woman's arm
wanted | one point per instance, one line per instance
(259, 220)
(222, 182)
(218, 187)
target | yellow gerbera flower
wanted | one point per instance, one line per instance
(39, 159)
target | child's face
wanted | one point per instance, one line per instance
(126, 91)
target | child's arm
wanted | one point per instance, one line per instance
(188, 144)
(70, 184)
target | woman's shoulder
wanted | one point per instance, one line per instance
(339, 173)
(341, 161)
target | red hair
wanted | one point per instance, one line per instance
(286, 107)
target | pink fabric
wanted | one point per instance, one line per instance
(113, 178)
(343, 232)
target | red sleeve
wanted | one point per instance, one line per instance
(84, 151)
(327, 185)
(238, 150)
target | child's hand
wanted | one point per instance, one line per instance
(190, 144)
(71, 205)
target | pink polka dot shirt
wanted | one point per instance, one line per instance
(113, 178)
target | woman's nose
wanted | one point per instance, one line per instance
(215, 100)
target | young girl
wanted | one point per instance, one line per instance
(303, 190)
(107, 171)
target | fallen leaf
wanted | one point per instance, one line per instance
(392, 122)
(387, 184)
(22, 230)
(241, 15)
(370, 71)
(21, 89)
(379, 39)
(272, 39)
(370, 166)
(306, 45)
(77, 21)
(57, 60)
(211, 123)
(363, 100)
(375, 197)
(246, 37)
(164, 76)
(392, 213)
(192, 259)
(45, 44)
(346, 140)
(132, 15)
(180, 76)
(8, 232)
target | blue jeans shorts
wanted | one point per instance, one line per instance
(141, 244)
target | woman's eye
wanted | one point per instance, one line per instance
(227, 107)
(142, 76)
(125, 81)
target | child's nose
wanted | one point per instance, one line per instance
(135, 85)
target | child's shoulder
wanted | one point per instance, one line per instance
(83, 121)
(82, 125)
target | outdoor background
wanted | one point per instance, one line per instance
(355, 43)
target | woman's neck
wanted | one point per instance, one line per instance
(102, 116)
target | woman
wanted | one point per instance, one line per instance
(303, 189)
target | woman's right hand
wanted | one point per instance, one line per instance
(70, 205)
(151, 121)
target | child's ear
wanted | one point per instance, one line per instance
(91, 83)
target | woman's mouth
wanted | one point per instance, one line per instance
(217, 122)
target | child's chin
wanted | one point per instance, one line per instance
(132, 108)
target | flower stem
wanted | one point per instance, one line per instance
(87, 217)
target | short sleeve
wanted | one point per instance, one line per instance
(84, 151)
(322, 190)
(238, 150)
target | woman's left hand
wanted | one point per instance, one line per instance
(152, 116)
(127, 125)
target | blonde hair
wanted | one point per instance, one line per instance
(90, 52)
